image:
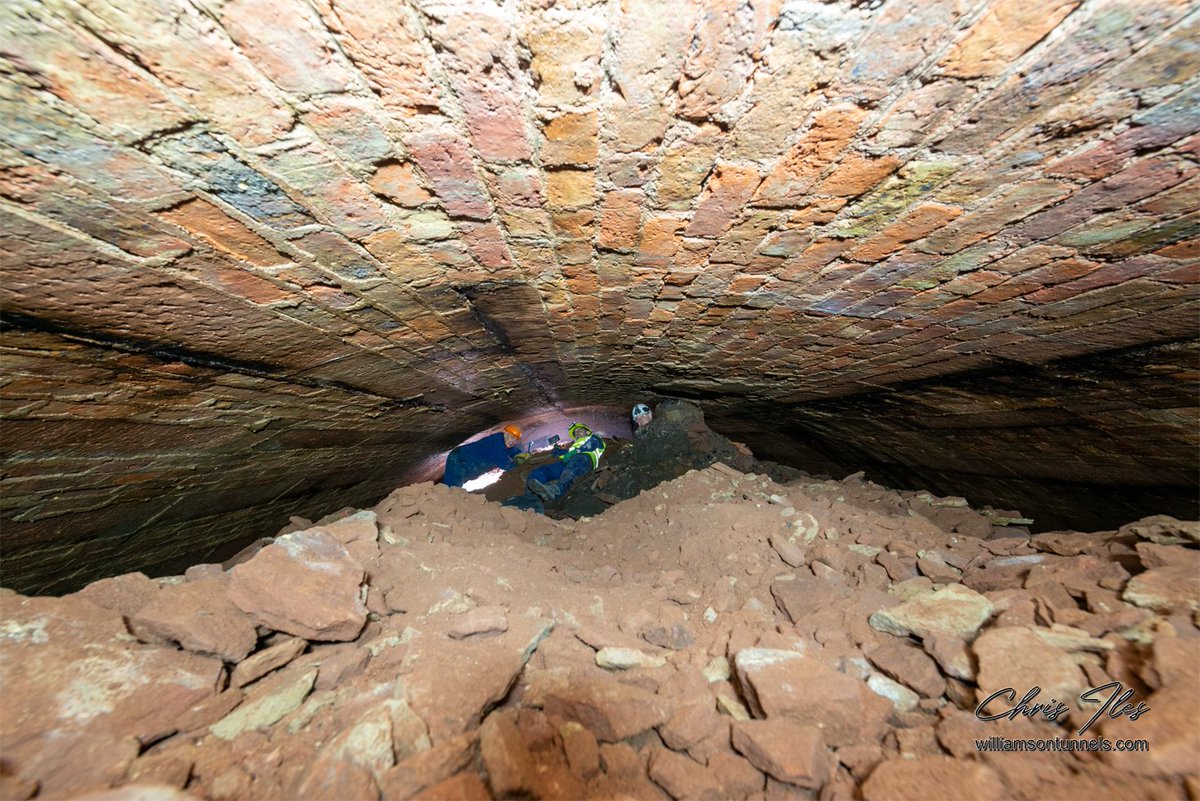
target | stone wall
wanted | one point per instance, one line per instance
(257, 250)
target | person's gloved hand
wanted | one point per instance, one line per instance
(521, 458)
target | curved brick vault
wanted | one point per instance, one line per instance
(271, 257)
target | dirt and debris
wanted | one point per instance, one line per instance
(719, 635)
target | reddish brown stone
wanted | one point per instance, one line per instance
(198, 616)
(788, 751)
(304, 584)
(610, 710)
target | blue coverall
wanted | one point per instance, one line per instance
(476, 458)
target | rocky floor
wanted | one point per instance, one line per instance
(719, 636)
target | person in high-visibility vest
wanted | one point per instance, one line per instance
(549, 481)
(500, 450)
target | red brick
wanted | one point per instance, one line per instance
(223, 232)
(486, 243)
(1007, 29)
(89, 76)
(1187, 249)
(722, 56)
(648, 58)
(384, 41)
(814, 257)
(193, 56)
(725, 194)
(901, 36)
(660, 240)
(571, 140)
(620, 215)
(495, 117)
(570, 189)
(399, 183)
(793, 177)
(685, 164)
(856, 174)
(289, 44)
(995, 214)
(566, 55)
(446, 161)
(917, 224)
(245, 285)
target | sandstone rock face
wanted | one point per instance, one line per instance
(304, 584)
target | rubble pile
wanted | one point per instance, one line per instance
(718, 636)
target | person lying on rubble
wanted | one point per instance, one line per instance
(500, 450)
(581, 456)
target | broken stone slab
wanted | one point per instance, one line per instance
(935, 567)
(479, 621)
(1171, 727)
(674, 637)
(1069, 638)
(598, 637)
(266, 660)
(932, 778)
(368, 742)
(910, 666)
(611, 710)
(790, 752)
(79, 694)
(1165, 589)
(339, 663)
(681, 777)
(138, 791)
(801, 597)
(952, 654)
(466, 786)
(266, 706)
(691, 723)
(127, 594)
(791, 553)
(360, 526)
(1164, 530)
(199, 617)
(788, 684)
(902, 698)
(510, 765)
(452, 684)
(955, 609)
(304, 584)
(428, 767)
(1016, 657)
(627, 658)
(336, 778)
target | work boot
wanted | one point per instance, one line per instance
(544, 491)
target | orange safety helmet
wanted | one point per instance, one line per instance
(513, 429)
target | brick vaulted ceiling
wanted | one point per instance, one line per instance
(266, 257)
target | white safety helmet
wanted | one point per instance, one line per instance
(639, 410)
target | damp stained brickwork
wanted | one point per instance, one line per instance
(271, 257)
